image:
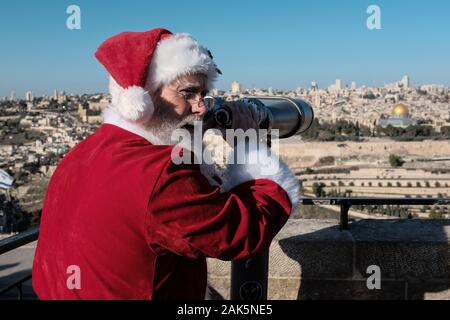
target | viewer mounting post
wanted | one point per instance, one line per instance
(249, 278)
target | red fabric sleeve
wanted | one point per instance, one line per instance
(191, 218)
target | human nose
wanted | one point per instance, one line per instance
(199, 107)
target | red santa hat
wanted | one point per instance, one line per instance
(140, 62)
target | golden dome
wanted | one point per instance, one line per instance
(400, 111)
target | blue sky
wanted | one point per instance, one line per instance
(280, 44)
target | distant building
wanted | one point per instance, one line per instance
(82, 112)
(314, 86)
(392, 98)
(316, 99)
(400, 117)
(338, 84)
(13, 96)
(39, 147)
(353, 87)
(433, 88)
(236, 87)
(29, 96)
(339, 102)
(336, 87)
(405, 82)
(101, 105)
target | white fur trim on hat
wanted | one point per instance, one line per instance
(133, 103)
(176, 56)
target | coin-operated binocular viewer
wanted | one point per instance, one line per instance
(288, 116)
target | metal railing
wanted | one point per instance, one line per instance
(346, 203)
(248, 277)
(12, 243)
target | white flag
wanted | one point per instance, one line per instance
(6, 180)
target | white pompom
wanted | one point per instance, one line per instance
(134, 104)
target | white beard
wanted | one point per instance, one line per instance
(162, 125)
(157, 131)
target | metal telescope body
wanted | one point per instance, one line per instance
(289, 116)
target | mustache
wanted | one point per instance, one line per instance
(189, 120)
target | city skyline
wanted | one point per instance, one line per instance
(303, 42)
(340, 84)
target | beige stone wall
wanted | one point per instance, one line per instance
(313, 259)
(304, 154)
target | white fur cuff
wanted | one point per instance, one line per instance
(261, 163)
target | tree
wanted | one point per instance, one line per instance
(318, 189)
(328, 160)
(434, 214)
(445, 131)
(369, 95)
(395, 161)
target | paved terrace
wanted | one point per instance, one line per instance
(314, 259)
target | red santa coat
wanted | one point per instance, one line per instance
(137, 226)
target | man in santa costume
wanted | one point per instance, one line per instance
(120, 219)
